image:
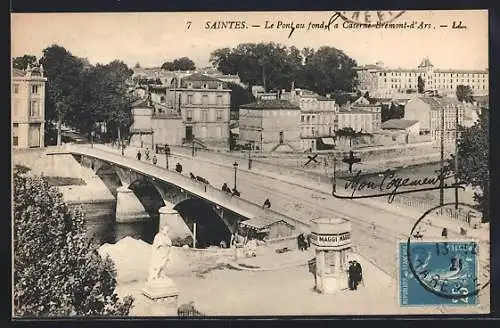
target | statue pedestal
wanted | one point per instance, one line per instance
(162, 297)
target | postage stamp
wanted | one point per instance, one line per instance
(438, 273)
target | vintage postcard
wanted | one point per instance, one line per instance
(250, 163)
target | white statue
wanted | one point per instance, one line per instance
(162, 248)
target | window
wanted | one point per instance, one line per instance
(190, 85)
(308, 118)
(302, 118)
(219, 132)
(219, 86)
(190, 99)
(204, 115)
(204, 100)
(16, 107)
(219, 100)
(189, 115)
(205, 86)
(218, 115)
(16, 88)
(34, 108)
(15, 138)
(34, 89)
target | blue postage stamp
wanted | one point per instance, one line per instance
(438, 273)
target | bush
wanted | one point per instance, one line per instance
(57, 272)
(179, 242)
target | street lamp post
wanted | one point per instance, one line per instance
(92, 138)
(249, 156)
(192, 146)
(334, 175)
(167, 153)
(235, 164)
(441, 180)
(456, 157)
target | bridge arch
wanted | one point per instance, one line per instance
(210, 227)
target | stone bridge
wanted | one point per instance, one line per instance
(174, 188)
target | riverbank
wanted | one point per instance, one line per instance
(64, 167)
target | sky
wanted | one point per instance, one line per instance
(153, 38)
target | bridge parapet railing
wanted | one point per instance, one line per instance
(209, 192)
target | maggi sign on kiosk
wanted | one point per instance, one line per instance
(332, 240)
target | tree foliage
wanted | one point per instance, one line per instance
(392, 111)
(275, 66)
(473, 160)
(464, 93)
(82, 95)
(24, 61)
(239, 96)
(179, 64)
(63, 72)
(57, 271)
(420, 84)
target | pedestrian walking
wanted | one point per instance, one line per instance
(178, 168)
(444, 233)
(139, 155)
(267, 203)
(123, 149)
(155, 160)
(350, 276)
(358, 273)
(147, 154)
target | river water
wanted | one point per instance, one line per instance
(102, 226)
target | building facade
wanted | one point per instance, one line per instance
(195, 106)
(317, 116)
(28, 107)
(429, 111)
(381, 81)
(270, 125)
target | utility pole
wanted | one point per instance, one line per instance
(441, 180)
(334, 175)
(194, 234)
(249, 156)
(456, 157)
(192, 146)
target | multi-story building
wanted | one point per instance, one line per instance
(317, 116)
(28, 107)
(358, 119)
(428, 111)
(381, 81)
(270, 125)
(193, 106)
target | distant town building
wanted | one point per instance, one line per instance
(428, 112)
(195, 106)
(317, 117)
(358, 119)
(28, 107)
(270, 125)
(409, 126)
(381, 81)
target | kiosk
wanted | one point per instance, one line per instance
(332, 240)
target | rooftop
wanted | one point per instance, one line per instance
(200, 77)
(438, 102)
(18, 73)
(271, 104)
(398, 124)
(260, 222)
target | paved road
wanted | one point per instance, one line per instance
(375, 230)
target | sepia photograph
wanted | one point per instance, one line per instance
(201, 164)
